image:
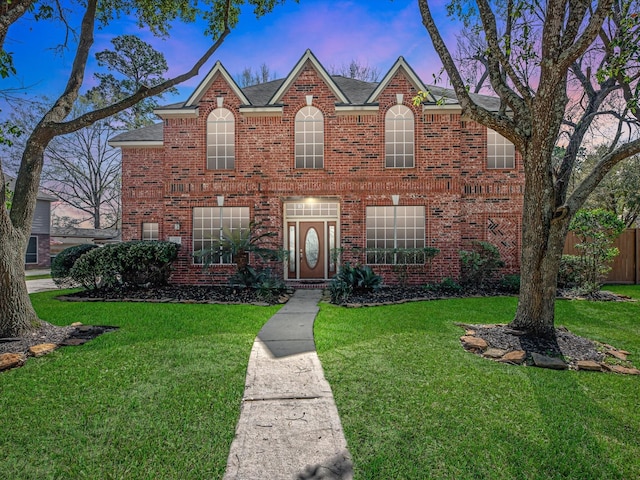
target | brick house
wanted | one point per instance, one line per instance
(330, 164)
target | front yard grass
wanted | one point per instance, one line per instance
(157, 399)
(414, 404)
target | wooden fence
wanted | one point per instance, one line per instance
(626, 266)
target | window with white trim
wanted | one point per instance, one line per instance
(309, 138)
(150, 231)
(399, 137)
(209, 224)
(221, 151)
(501, 153)
(395, 235)
(31, 256)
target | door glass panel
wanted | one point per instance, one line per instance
(312, 248)
(292, 248)
(332, 248)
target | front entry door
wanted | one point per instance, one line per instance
(312, 250)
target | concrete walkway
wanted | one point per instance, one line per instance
(289, 426)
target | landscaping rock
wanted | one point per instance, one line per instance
(543, 361)
(515, 356)
(494, 353)
(620, 355)
(589, 365)
(42, 349)
(11, 360)
(473, 343)
(624, 370)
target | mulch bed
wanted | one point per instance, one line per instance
(47, 333)
(391, 295)
(180, 294)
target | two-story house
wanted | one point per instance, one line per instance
(328, 163)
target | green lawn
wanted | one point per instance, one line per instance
(37, 277)
(157, 399)
(415, 405)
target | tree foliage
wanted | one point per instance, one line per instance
(16, 313)
(139, 65)
(619, 191)
(565, 72)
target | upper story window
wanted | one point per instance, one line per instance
(398, 137)
(221, 151)
(501, 152)
(309, 138)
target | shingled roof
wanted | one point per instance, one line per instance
(357, 92)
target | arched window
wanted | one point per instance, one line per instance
(309, 138)
(221, 151)
(398, 137)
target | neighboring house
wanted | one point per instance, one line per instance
(38, 250)
(330, 164)
(65, 237)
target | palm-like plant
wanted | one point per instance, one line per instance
(239, 244)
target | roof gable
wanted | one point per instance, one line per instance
(400, 65)
(310, 58)
(199, 92)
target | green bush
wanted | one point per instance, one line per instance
(339, 291)
(479, 266)
(63, 262)
(134, 263)
(447, 286)
(359, 277)
(88, 269)
(596, 229)
(349, 279)
(569, 273)
(510, 284)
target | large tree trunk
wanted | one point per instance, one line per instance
(17, 316)
(544, 230)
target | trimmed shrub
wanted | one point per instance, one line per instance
(146, 263)
(88, 269)
(134, 263)
(63, 262)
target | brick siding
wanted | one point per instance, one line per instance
(464, 201)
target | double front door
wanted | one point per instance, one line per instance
(311, 249)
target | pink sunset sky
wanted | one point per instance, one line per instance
(373, 32)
